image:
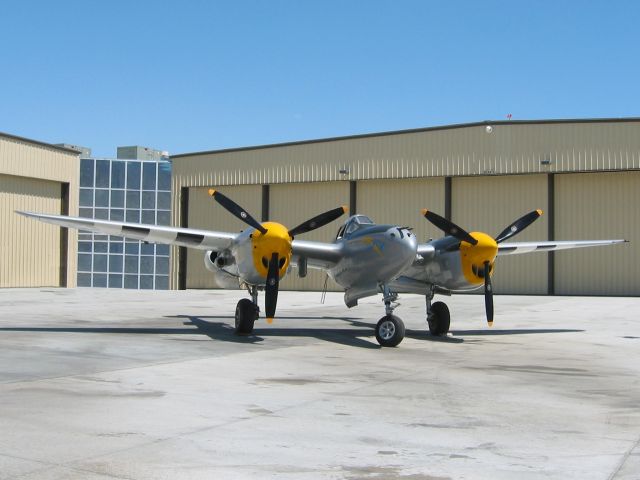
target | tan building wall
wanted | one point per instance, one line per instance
(495, 176)
(43, 178)
(598, 206)
(458, 150)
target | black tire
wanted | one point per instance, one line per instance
(390, 331)
(439, 320)
(246, 315)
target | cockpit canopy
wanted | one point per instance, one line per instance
(353, 224)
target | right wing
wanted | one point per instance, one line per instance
(514, 248)
(184, 237)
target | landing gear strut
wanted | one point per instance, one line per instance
(390, 329)
(438, 316)
(247, 312)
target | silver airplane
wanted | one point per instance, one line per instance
(365, 259)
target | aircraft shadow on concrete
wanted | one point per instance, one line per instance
(221, 331)
(361, 334)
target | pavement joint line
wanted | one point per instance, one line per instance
(624, 459)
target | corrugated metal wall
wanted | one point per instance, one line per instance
(398, 202)
(489, 204)
(204, 212)
(26, 166)
(510, 148)
(31, 260)
(596, 206)
(292, 204)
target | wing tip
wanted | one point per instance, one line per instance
(212, 191)
(539, 212)
(424, 211)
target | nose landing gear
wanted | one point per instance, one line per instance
(390, 329)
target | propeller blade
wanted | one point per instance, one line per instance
(488, 293)
(236, 210)
(318, 221)
(448, 227)
(271, 288)
(519, 225)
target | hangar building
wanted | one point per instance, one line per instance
(584, 174)
(39, 177)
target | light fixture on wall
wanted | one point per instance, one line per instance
(344, 171)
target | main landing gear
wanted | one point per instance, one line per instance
(247, 312)
(438, 316)
(390, 329)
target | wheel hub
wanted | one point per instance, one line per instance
(387, 330)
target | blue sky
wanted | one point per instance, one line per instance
(190, 75)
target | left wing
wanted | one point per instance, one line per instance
(527, 247)
(184, 237)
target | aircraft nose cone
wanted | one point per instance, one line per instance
(405, 243)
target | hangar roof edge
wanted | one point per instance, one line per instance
(37, 142)
(412, 130)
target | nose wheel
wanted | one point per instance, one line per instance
(390, 331)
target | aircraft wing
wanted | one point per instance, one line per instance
(318, 255)
(184, 237)
(515, 248)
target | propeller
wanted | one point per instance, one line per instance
(480, 250)
(272, 246)
(271, 288)
(317, 221)
(448, 227)
(236, 210)
(488, 293)
(519, 225)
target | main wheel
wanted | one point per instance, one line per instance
(439, 320)
(246, 315)
(389, 331)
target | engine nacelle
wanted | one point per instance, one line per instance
(215, 262)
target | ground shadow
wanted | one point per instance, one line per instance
(360, 337)
(358, 334)
(513, 331)
(223, 331)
